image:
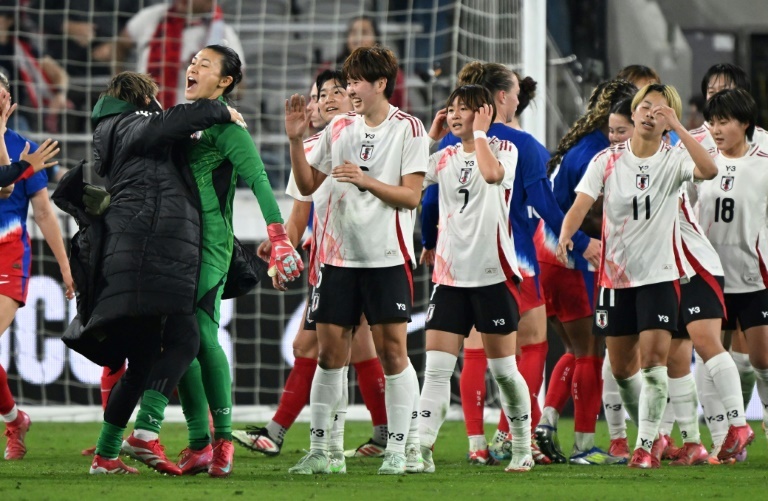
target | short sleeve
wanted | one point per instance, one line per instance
(431, 176)
(508, 158)
(592, 182)
(320, 156)
(292, 190)
(531, 164)
(39, 181)
(415, 150)
(686, 165)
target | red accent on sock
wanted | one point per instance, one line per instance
(503, 422)
(6, 399)
(108, 381)
(296, 391)
(472, 388)
(531, 366)
(370, 380)
(559, 390)
(587, 393)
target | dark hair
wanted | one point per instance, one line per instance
(132, 87)
(732, 74)
(635, 72)
(326, 75)
(345, 52)
(697, 101)
(623, 108)
(602, 101)
(492, 76)
(370, 64)
(527, 93)
(736, 104)
(230, 65)
(473, 96)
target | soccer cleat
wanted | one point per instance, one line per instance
(394, 464)
(15, 432)
(103, 466)
(90, 451)
(151, 453)
(658, 447)
(338, 463)
(313, 462)
(670, 451)
(414, 462)
(538, 456)
(257, 439)
(738, 438)
(619, 448)
(642, 459)
(501, 446)
(482, 457)
(691, 454)
(595, 456)
(520, 464)
(548, 444)
(370, 449)
(223, 457)
(192, 462)
(429, 462)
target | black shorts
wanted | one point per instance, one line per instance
(749, 308)
(628, 312)
(492, 309)
(342, 295)
(700, 299)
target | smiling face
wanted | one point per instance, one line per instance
(460, 119)
(729, 134)
(365, 95)
(646, 123)
(333, 100)
(619, 128)
(204, 80)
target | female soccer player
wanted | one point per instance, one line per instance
(475, 271)
(638, 300)
(569, 289)
(216, 156)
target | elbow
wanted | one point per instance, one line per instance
(710, 172)
(494, 177)
(413, 201)
(305, 191)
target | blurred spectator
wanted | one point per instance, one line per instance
(432, 42)
(695, 112)
(37, 81)
(167, 36)
(639, 75)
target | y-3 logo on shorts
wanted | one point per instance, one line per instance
(693, 310)
(498, 322)
(664, 318)
(400, 306)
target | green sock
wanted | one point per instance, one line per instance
(216, 377)
(110, 440)
(152, 411)
(195, 406)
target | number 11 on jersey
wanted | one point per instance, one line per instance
(647, 207)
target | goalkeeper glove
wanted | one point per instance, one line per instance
(284, 260)
(95, 199)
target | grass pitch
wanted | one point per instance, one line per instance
(54, 470)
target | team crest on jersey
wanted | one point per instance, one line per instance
(465, 175)
(196, 136)
(601, 318)
(726, 183)
(430, 312)
(366, 152)
(642, 181)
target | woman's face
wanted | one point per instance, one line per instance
(332, 100)
(204, 80)
(360, 34)
(314, 112)
(509, 107)
(619, 128)
(460, 119)
(646, 123)
(729, 134)
(717, 83)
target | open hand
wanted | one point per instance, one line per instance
(297, 116)
(41, 159)
(483, 118)
(349, 173)
(439, 127)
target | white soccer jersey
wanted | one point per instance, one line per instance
(639, 213)
(732, 211)
(474, 241)
(696, 248)
(360, 230)
(704, 137)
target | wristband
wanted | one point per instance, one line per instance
(480, 134)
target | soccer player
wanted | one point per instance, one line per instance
(216, 156)
(332, 101)
(638, 303)
(569, 290)
(376, 157)
(738, 236)
(22, 182)
(476, 178)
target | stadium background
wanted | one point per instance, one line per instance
(566, 45)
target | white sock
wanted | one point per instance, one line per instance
(762, 391)
(667, 419)
(323, 399)
(682, 396)
(549, 417)
(725, 377)
(630, 389)
(653, 401)
(477, 443)
(12, 415)
(584, 442)
(145, 435)
(380, 434)
(276, 431)
(746, 375)
(711, 400)
(615, 416)
(340, 417)
(499, 437)
(398, 397)
(515, 400)
(435, 394)
(413, 430)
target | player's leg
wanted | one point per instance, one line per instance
(740, 354)
(17, 422)
(472, 390)
(109, 379)
(615, 415)
(532, 345)
(755, 325)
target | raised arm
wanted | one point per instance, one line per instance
(308, 180)
(489, 166)
(705, 165)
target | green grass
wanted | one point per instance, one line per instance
(53, 469)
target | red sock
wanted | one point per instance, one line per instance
(531, 366)
(108, 381)
(587, 393)
(370, 380)
(503, 422)
(6, 399)
(560, 383)
(472, 387)
(296, 391)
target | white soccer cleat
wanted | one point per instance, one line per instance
(394, 464)
(520, 464)
(429, 462)
(414, 462)
(312, 463)
(338, 463)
